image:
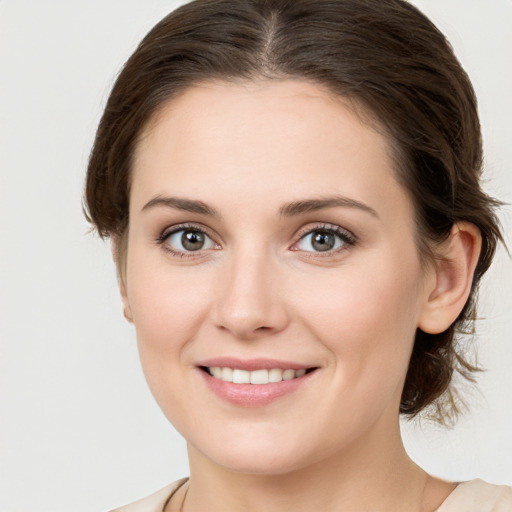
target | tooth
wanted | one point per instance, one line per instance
(259, 377)
(216, 371)
(227, 374)
(241, 377)
(238, 376)
(288, 374)
(275, 375)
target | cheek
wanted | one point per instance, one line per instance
(168, 304)
(168, 307)
(367, 316)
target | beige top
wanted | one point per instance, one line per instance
(156, 502)
(478, 496)
(472, 496)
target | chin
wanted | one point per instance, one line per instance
(264, 457)
(263, 464)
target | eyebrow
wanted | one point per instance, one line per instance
(187, 205)
(292, 209)
(310, 205)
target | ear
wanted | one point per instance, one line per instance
(121, 278)
(453, 277)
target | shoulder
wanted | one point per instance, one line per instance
(155, 502)
(478, 496)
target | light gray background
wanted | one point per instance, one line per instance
(78, 428)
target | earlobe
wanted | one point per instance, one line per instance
(121, 278)
(127, 311)
(453, 278)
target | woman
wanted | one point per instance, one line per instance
(292, 192)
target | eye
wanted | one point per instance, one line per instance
(188, 240)
(324, 240)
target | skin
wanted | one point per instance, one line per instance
(259, 289)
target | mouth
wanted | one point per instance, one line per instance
(255, 382)
(260, 376)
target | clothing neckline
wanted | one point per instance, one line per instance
(453, 494)
(459, 492)
(180, 484)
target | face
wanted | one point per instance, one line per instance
(269, 243)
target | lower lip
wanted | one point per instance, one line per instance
(251, 395)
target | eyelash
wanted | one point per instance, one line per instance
(347, 238)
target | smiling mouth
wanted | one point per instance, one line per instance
(263, 376)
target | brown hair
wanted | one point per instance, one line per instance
(383, 54)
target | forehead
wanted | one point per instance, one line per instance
(265, 138)
(254, 103)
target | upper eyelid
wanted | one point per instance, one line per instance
(175, 228)
(334, 228)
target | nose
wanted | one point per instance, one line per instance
(250, 301)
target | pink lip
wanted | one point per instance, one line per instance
(252, 395)
(252, 364)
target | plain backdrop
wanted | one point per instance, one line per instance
(79, 429)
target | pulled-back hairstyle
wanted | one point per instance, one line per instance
(386, 57)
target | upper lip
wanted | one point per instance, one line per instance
(253, 364)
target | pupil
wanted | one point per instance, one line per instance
(192, 240)
(323, 241)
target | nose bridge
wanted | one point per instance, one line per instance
(249, 302)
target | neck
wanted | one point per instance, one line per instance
(375, 475)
